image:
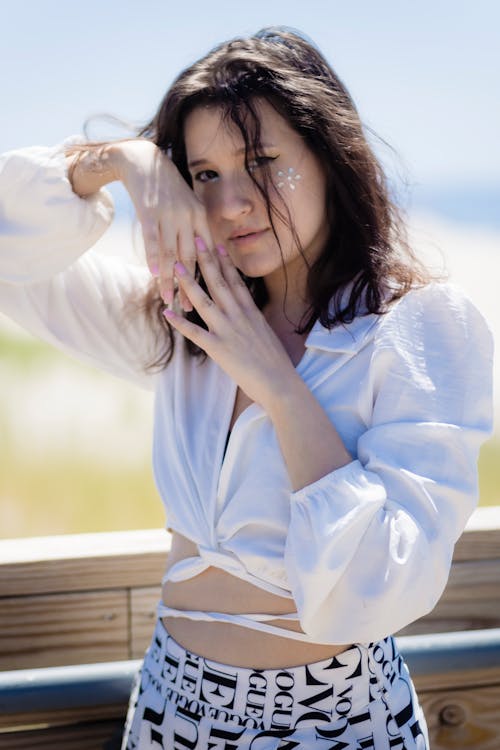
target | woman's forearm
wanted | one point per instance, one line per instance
(309, 442)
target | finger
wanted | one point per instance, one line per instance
(233, 279)
(196, 334)
(201, 229)
(167, 258)
(214, 279)
(207, 254)
(187, 256)
(201, 301)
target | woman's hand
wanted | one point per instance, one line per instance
(170, 214)
(242, 342)
(239, 338)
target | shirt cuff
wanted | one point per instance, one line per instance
(347, 489)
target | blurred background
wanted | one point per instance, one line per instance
(74, 443)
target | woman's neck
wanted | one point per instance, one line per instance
(287, 300)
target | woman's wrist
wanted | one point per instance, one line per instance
(92, 167)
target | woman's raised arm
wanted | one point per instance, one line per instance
(51, 280)
(170, 214)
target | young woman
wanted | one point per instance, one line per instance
(320, 401)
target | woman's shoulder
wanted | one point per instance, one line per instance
(436, 309)
(437, 301)
(432, 319)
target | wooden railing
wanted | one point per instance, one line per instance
(89, 599)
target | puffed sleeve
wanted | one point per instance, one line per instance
(52, 284)
(44, 225)
(370, 545)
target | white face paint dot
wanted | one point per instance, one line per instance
(292, 178)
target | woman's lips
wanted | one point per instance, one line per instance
(246, 238)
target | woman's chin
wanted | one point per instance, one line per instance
(253, 270)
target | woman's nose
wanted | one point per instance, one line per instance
(236, 198)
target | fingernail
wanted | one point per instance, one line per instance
(221, 250)
(155, 269)
(168, 313)
(200, 244)
(180, 270)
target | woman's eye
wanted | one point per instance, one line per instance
(259, 161)
(206, 175)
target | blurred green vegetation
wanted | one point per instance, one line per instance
(489, 472)
(59, 491)
(20, 352)
(72, 496)
(65, 493)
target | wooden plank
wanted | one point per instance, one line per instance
(109, 544)
(470, 601)
(17, 721)
(463, 719)
(452, 616)
(58, 629)
(457, 720)
(474, 580)
(76, 562)
(143, 603)
(87, 736)
(137, 558)
(470, 679)
(481, 538)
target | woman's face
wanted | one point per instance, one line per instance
(236, 210)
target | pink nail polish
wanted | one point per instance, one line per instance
(155, 269)
(221, 250)
(168, 313)
(180, 269)
(200, 244)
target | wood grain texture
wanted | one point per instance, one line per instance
(72, 568)
(85, 736)
(82, 562)
(463, 719)
(142, 618)
(89, 598)
(470, 601)
(57, 629)
(481, 539)
(443, 682)
(137, 558)
(457, 720)
(76, 715)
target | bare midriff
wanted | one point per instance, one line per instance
(215, 590)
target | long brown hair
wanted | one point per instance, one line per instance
(366, 253)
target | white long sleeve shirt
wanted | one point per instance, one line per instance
(361, 552)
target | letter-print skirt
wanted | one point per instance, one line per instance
(362, 699)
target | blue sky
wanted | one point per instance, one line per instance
(425, 75)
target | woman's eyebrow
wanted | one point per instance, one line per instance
(197, 162)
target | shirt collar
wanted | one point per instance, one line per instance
(344, 337)
(347, 337)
